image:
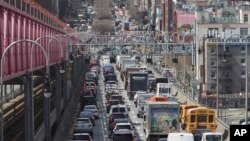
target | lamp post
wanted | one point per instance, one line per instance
(31, 135)
(193, 56)
(172, 35)
(47, 89)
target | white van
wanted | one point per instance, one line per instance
(118, 109)
(180, 137)
(211, 136)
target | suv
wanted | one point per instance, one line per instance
(122, 135)
(118, 109)
(117, 97)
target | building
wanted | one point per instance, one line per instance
(222, 68)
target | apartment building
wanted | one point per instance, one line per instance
(222, 67)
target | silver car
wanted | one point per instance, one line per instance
(83, 126)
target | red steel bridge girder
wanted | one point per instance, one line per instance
(16, 25)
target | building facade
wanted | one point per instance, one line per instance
(221, 53)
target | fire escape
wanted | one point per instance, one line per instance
(225, 72)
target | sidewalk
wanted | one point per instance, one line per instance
(65, 127)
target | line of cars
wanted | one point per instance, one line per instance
(119, 124)
(85, 122)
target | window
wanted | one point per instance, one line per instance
(213, 86)
(243, 31)
(243, 74)
(227, 49)
(192, 118)
(213, 61)
(213, 75)
(212, 50)
(243, 62)
(227, 74)
(245, 18)
(243, 49)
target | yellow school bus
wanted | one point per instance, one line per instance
(200, 118)
(183, 111)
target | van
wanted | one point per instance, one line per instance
(211, 136)
(180, 137)
(118, 109)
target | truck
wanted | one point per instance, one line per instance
(163, 88)
(160, 119)
(138, 81)
(119, 59)
(126, 74)
(125, 64)
(141, 102)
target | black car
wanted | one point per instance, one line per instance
(88, 100)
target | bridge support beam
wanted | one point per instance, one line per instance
(58, 95)
(29, 107)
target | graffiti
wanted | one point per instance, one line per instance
(164, 120)
(189, 6)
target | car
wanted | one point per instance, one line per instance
(122, 135)
(180, 137)
(110, 103)
(83, 126)
(121, 126)
(117, 97)
(114, 116)
(198, 134)
(87, 114)
(88, 100)
(120, 120)
(81, 136)
(89, 84)
(92, 108)
(110, 86)
(118, 109)
(91, 76)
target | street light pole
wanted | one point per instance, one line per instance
(246, 87)
(31, 136)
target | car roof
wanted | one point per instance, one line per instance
(81, 134)
(123, 131)
(89, 106)
(124, 123)
(180, 134)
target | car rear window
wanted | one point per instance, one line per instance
(123, 137)
(81, 137)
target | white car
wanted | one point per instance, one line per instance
(110, 86)
(136, 95)
(124, 126)
(93, 109)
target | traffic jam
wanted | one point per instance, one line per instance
(123, 99)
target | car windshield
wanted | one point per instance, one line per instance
(123, 137)
(115, 116)
(164, 90)
(90, 107)
(213, 138)
(117, 97)
(124, 127)
(121, 121)
(81, 137)
(82, 121)
(119, 109)
(113, 102)
(111, 82)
